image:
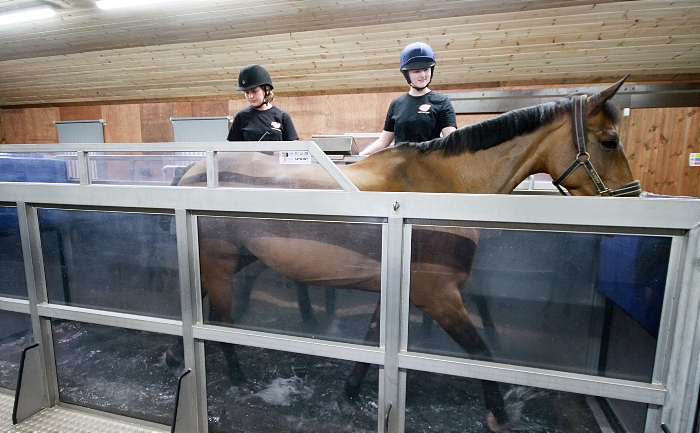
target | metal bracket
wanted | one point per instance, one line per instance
(184, 417)
(386, 417)
(29, 394)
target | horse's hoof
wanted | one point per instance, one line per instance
(310, 323)
(492, 423)
(174, 357)
(352, 390)
(238, 378)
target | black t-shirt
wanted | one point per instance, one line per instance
(250, 124)
(419, 118)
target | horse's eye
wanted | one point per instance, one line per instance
(609, 144)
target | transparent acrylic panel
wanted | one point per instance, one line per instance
(627, 416)
(449, 404)
(139, 168)
(576, 302)
(14, 281)
(36, 167)
(15, 336)
(286, 393)
(116, 370)
(283, 169)
(114, 261)
(310, 278)
(290, 169)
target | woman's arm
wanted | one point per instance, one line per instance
(447, 130)
(289, 132)
(384, 140)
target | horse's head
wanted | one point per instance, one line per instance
(597, 150)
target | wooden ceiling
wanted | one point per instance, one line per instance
(193, 49)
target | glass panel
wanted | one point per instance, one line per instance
(116, 370)
(15, 336)
(626, 416)
(33, 167)
(300, 285)
(449, 404)
(286, 392)
(13, 282)
(576, 302)
(139, 168)
(283, 169)
(291, 169)
(111, 260)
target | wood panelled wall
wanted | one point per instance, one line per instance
(658, 141)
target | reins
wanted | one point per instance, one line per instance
(580, 135)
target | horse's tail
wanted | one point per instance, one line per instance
(165, 220)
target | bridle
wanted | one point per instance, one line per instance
(580, 122)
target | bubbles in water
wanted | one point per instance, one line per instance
(281, 391)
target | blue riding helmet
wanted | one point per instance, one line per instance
(417, 56)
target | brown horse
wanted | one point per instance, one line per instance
(492, 156)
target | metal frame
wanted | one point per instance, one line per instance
(672, 394)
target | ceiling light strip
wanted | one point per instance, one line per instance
(28, 14)
(114, 4)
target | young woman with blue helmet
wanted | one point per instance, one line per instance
(420, 114)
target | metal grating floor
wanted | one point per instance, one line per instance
(64, 420)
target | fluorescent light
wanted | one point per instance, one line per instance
(114, 4)
(28, 14)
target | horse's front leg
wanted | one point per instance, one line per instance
(441, 299)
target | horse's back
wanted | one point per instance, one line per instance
(260, 170)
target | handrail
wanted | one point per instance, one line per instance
(83, 149)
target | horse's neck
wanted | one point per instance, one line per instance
(497, 170)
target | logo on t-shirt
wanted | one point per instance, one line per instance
(425, 108)
(276, 125)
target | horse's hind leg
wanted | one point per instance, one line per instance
(358, 373)
(219, 261)
(248, 276)
(305, 307)
(248, 272)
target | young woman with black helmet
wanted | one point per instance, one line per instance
(420, 114)
(261, 121)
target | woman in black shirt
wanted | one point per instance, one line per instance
(261, 121)
(420, 114)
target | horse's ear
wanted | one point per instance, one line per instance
(602, 96)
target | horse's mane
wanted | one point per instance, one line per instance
(499, 129)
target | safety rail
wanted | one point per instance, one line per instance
(83, 151)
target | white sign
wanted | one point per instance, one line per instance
(694, 159)
(295, 157)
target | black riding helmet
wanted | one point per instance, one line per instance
(252, 76)
(417, 56)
